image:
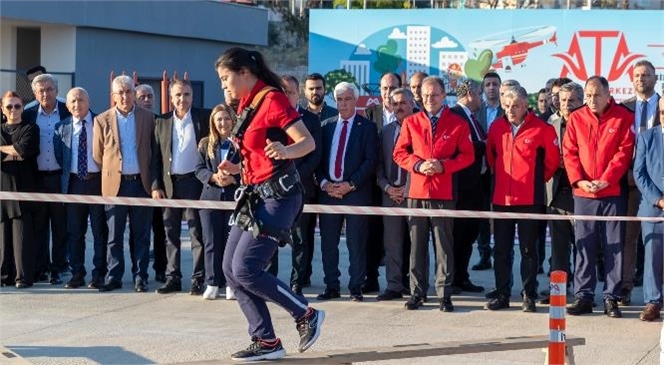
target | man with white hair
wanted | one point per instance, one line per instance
(123, 137)
(346, 177)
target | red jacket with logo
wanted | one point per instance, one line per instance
(451, 145)
(522, 164)
(599, 148)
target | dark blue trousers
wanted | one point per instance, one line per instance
(77, 226)
(591, 236)
(140, 219)
(653, 239)
(215, 229)
(244, 261)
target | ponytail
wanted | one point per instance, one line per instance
(237, 58)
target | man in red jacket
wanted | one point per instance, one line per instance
(433, 146)
(597, 149)
(523, 152)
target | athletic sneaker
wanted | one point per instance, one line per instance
(309, 328)
(260, 350)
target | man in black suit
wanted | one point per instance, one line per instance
(382, 115)
(303, 234)
(345, 174)
(471, 193)
(176, 151)
(645, 105)
(314, 92)
(49, 217)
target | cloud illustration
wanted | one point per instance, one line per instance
(396, 34)
(445, 42)
(362, 50)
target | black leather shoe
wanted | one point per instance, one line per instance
(20, 284)
(171, 286)
(110, 286)
(197, 287)
(356, 297)
(579, 307)
(140, 286)
(611, 308)
(625, 298)
(76, 281)
(528, 305)
(297, 289)
(371, 286)
(389, 295)
(469, 287)
(482, 265)
(446, 305)
(491, 294)
(499, 302)
(328, 294)
(95, 283)
(414, 302)
(55, 279)
(160, 277)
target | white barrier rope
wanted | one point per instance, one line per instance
(309, 208)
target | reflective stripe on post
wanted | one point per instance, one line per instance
(557, 304)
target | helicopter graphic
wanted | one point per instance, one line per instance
(511, 48)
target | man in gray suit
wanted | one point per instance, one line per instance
(176, 153)
(391, 180)
(646, 115)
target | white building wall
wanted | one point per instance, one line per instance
(359, 69)
(418, 45)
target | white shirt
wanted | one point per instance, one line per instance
(335, 146)
(46, 160)
(77, 127)
(388, 117)
(184, 153)
(651, 108)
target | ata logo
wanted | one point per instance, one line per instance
(576, 64)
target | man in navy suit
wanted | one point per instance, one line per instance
(649, 177)
(345, 176)
(80, 175)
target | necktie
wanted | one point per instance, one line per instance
(340, 151)
(644, 116)
(83, 152)
(434, 124)
(478, 129)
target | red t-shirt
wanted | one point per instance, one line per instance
(274, 115)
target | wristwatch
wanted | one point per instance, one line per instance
(352, 186)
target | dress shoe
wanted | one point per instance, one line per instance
(171, 286)
(579, 307)
(650, 312)
(491, 294)
(611, 308)
(356, 297)
(528, 305)
(469, 287)
(297, 289)
(160, 277)
(371, 286)
(76, 281)
(414, 302)
(328, 294)
(445, 305)
(197, 287)
(389, 295)
(497, 303)
(482, 265)
(110, 286)
(625, 298)
(140, 286)
(20, 284)
(95, 283)
(55, 279)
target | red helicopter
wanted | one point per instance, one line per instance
(510, 52)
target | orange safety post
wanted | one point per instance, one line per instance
(164, 93)
(557, 306)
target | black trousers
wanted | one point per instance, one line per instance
(158, 241)
(51, 218)
(17, 252)
(503, 231)
(303, 243)
(465, 232)
(375, 246)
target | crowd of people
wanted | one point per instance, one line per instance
(577, 151)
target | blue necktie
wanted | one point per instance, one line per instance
(83, 152)
(434, 124)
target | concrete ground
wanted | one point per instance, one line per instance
(52, 325)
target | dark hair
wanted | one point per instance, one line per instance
(236, 58)
(645, 63)
(601, 80)
(11, 94)
(34, 69)
(465, 88)
(290, 78)
(315, 77)
(541, 91)
(393, 74)
(492, 75)
(560, 82)
(181, 83)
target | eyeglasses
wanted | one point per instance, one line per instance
(15, 106)
(47, 90)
